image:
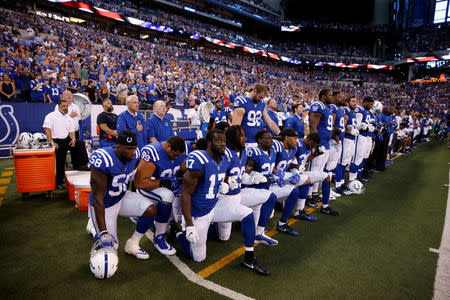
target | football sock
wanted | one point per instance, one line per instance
(266, 210)
(162, 218)
(289, 205)
(326, 186)
(184, 244)
(143, 224)
(353, 172)
(249, 256)
(339, 178)
(300, 204)
(248, 230)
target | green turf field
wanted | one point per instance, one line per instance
(377, 248)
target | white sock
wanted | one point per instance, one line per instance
(352, 176)
(249, 249)
(259, 230)
(325, 205)
(300, 204)
(160, 228)
(136, 237)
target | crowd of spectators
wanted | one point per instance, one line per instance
(43, 57)
(428, 38)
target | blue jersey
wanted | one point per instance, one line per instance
(252, 119)
(236, 168)
(273, 115)
(295, 122)
(54, 92)
(204, 198)
(325, 128)
(302, 153)
(351, 121)
(118, 174)
(365, 117)
(38, 94)
(128, 121)
(284, 157)
(339, 121)
(165, 167)
(264, 163)
(160, 129)
(220, 116)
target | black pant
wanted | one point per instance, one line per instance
(78, 153)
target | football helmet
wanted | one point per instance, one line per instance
(376, 108)
(24, 140)
(104, 261)
(356, 187)
(39, 141)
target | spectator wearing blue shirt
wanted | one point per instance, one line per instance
(180, 96)
(132, 120)
(52, 92)
(159, 127)
(272, 111)
(295, 121)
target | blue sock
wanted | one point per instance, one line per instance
(338, 172)
(303, 191)
(326, 186)
(353, 168)
(185, 244)
(289, 205)
(248, 230)
(266, 210)
(164, 211)
(144, 224)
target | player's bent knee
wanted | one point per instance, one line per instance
(151, 211)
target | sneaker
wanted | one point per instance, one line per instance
(264, 239)
(334, 194)
(311, 203)
(132, 248)
(301, 215)
(343, 191)
(90, 227)
(255, 266)
(286, 229)
(162, 246)
(329, 211)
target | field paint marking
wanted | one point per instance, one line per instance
(233, 255)
(7, 173)
(3, 189)
(9, 168)
(434, 250)
(194, 278)
(5, 180)
(442, 280)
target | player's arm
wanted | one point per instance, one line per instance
(345, 125)
(144, 173)
(238, 115)
(274, 127)
(98, 184)
(190, 182)
(211, 123)
(314, 121)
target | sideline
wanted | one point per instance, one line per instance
(442, 281)
(194, 278)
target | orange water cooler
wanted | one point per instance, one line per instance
(35, 170)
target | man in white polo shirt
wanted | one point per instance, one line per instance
(58, 126)
(73, 112)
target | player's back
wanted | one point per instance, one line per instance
(283, 157)
(325, 128)
(251, 121)
(236, 168)
(165, 166)
(118, 173)
(302, 153)
(264, 162)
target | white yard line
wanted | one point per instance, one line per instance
(442, 281)
(194, 278)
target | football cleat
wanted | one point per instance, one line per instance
(90, 227)
(286, 229)
(329, 211)
(311, 203)
(132, 248)
(343, 191)
(334, 194)
(162, 246)
(301, 215)
(264, 239)
(255, 266)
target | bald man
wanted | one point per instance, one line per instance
(159, 127)
(132, 120)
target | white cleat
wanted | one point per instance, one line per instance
(132, 248)
(334, 194)
(90, 227)
(162, 246)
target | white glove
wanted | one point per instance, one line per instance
(371, 128)
(191, 234)
(257, 177)
(224, 188)
(232, 183)
(322, 149)
(363, 126)
(354, 132)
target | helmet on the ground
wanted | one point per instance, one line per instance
(104, 261)
(356, 187)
